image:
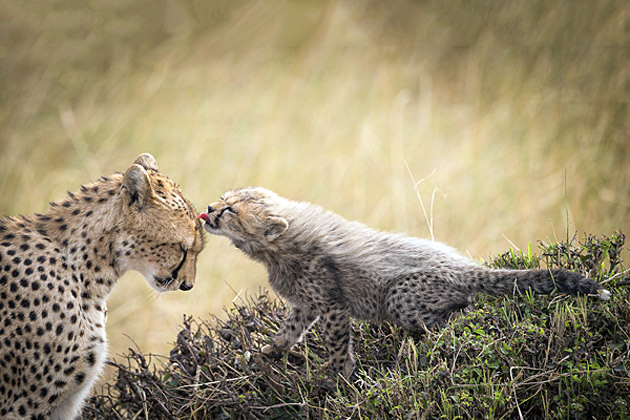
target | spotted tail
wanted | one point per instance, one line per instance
(502, 281)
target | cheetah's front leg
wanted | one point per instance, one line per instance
(296, 324)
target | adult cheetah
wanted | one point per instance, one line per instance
(330, 269)
(57, 268)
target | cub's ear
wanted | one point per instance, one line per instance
(276, 226)
(136, 187)
(147, 161)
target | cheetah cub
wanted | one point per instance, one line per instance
(330, 269)
(57, 268)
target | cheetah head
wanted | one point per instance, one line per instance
(248, 217)
(160, 235)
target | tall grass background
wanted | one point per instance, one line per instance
(509, 120)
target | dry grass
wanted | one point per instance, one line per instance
(521, 109)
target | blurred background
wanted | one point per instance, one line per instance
(509, 119)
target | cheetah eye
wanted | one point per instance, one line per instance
(184, 251)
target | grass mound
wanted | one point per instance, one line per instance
(509, 357)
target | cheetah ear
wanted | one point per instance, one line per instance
(147, 161)
(136, 187)
(276, 226)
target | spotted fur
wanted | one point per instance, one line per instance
(57, 268)
(330, 269)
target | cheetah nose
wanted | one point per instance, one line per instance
(185, 287)
(210, 209)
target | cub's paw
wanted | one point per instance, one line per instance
(272, 351)
(344, 366)
(348, 368)
(267, 349)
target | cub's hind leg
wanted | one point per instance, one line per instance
(423, 301)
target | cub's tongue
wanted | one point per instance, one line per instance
(204, 216)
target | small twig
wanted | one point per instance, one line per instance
(518, 408)
(453, 365)
(510, 242)
(222, 381)
(429, 220)
(622, 283)
(271, 407)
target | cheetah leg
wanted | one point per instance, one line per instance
(294, 326)
(336, 331)
(70, 407)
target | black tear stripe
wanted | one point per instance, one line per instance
(176, 271)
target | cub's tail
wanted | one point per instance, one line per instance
(503, 281)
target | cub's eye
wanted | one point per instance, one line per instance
(227, 209)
